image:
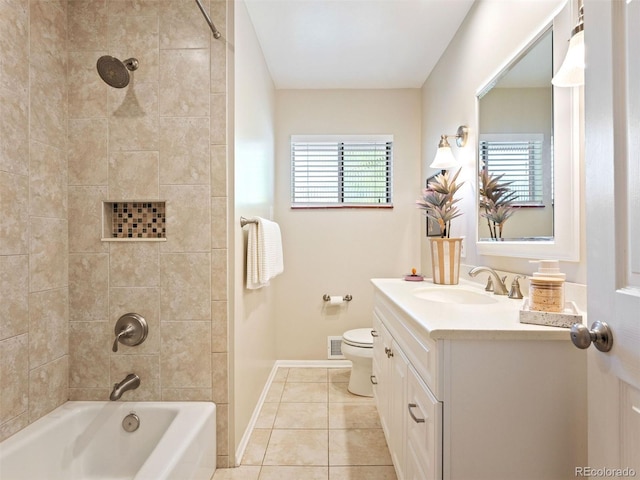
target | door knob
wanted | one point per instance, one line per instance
(600, 335)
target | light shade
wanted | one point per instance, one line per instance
(444, 156)
(571, 72)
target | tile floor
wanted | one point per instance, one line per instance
(311, 428)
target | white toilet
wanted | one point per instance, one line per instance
(357, 346)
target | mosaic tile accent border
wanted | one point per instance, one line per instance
(136, 220)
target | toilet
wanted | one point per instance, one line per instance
(357, 346)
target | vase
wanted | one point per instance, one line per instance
(445, 260)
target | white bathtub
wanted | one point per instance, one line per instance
(86, 440)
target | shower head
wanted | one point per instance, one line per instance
(114, 72)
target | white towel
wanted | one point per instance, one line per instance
(264, 253)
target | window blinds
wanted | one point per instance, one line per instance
(519, 158)
(341, 171)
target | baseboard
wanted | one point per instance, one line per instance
(242, 446)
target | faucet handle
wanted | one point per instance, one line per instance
(515, 288)
(489, 287)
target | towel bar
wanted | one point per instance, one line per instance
(347, 298)
(246, 221)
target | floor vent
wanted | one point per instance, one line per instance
(334, 348)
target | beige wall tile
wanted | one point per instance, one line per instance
(85, 219)
(87, 25)
(222, 429)
(14, 129)
(218, 222)
(14, 303)
(14, 44)
(218, 119)
(219, 274)
(48, 264)
(14, 205)
(136, 36)
(186, 394)
(184, 346)
(185, 286)
(48, 326)
(88, 287)
(89, 352)
(182, 27)
(133, 176)
(219, 334)
(87, 91)
(89, 394)
(220, 377)
(133, 117)
(14, 425)
(47, 181)
(147, 367)
(184, 83)
(218, 65)
(48, 32)
(144, 302)
(219, 170)
(14, 377)
(133, 7)
(188, 218)
(134, 264)
(184, 151)
(87, 152)
(48, 387)
(48, 100)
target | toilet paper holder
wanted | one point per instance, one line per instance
(347, 298)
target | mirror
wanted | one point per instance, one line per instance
(528, 132)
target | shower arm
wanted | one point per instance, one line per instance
(216, 33)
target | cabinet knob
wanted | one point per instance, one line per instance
(415, 419)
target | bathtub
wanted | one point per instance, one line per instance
(86, 440)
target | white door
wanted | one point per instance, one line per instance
(612, 152)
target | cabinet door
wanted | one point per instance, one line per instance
(423, 415)
(398, 405)
(381, 371)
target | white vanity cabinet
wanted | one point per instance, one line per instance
(476, 400)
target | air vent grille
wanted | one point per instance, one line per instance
(334, 348)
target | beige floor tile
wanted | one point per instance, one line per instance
(358, 447)
(240, 473)
(293, 473)
(362, 473)
(267, 415)
(256, 448)
(338, 393)
(307, 375)
(353, 415)
(302, 415)
(275, 392)
(297, 447)
(281, 374)
(304, 392)
(339, 375)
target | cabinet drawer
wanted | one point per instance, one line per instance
(421, 351)
(424, 431)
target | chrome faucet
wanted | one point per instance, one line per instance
(499, 288)
(130, 382)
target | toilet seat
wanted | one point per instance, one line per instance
(359, 337)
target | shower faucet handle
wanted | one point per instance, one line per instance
(131, 329)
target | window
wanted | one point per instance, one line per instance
(519, 158)
(341, 171)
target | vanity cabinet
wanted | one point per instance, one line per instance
(473, 404)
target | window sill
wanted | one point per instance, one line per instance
(324, 207)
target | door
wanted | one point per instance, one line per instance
(612, 153)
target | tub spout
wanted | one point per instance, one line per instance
(130, 382)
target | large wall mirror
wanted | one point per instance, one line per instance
(529, 154)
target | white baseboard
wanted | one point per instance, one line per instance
(242, 446)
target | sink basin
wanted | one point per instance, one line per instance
(455, 294)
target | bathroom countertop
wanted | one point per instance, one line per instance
(439, 320)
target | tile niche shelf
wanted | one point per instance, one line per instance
(134, 221)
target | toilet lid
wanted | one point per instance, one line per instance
(360, 337)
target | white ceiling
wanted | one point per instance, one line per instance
(317, 44)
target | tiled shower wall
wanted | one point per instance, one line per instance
(161, 138)
(34, 361)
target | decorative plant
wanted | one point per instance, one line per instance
(439, 203)
(496, 199)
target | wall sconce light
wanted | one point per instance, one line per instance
(571, 72)
(444, 157)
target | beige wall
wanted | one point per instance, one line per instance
(473, 57)
(34, 360)
(337, 251)
(254, 325)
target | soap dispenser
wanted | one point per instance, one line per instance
(546, 291)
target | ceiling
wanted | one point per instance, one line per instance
(318, 44)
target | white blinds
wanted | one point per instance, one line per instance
(341, 171)
(519, 158)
